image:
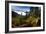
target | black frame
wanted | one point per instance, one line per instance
(7, 16)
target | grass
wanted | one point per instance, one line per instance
(22, 22)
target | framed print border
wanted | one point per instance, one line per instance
(7, 16)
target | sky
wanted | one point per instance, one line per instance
(20, 8)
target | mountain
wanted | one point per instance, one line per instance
(35, 11)
(14, 14)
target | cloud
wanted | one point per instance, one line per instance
(20, 12)
(22, 8)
